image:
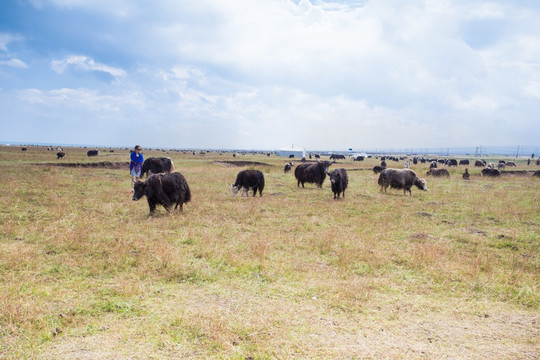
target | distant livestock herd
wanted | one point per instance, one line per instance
(170, 189)
(167, 188)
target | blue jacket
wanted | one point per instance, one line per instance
(135, 160)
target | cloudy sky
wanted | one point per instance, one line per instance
(266, 74)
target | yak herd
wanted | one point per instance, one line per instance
(167, 188)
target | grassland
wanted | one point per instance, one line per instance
(85, 273)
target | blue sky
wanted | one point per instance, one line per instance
(266, 74)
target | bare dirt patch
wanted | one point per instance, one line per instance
(95, 165)
(232, 163)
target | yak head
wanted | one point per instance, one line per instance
(335, 176)
(421, 184)
(139, 190)
(324, 165)
(235, 189)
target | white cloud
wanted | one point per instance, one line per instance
(83, 100)
(86, 64)
(14, 63)
(6, 38)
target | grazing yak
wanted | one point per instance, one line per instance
(501, 166)
(163, 189)
(438, 172)
(337, 157)
(433, 165)
(490, 172)
(60, 155)
(92, 153)
(312, 173)
(378, 169)
(339, 181)
(537, 174)
(464, 162)
(288, 167)
(451, 162)
(400, 179)
(479, 163)
(383, 164)
(248, 180)
(24, 149)
(466, 175)
(511, 163)
(156, 165)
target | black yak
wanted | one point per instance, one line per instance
(377, 169)
(312, 173)
(438, 172)
(433, 165)
(288, 167)
(60, 155)
(451, 162)
(490, 172)
(400, 179)
(92, 153)
(339, 181)
(479, 163)
(156, 165)
(248, 180)
(464, 162)
(537, 173)
(163, 189)
(511, 163)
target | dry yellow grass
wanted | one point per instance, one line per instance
(84, 273)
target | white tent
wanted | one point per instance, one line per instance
(296, 152)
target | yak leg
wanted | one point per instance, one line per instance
(152, 207)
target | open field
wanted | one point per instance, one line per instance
(84, 273)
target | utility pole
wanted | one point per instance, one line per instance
(517, 152)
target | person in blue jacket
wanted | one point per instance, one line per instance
(135, 165)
